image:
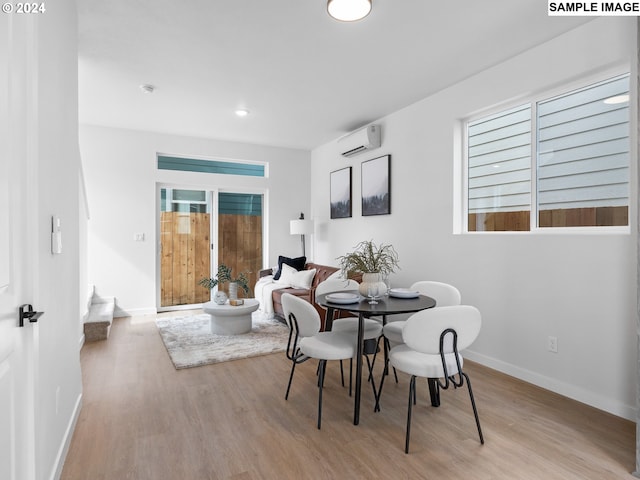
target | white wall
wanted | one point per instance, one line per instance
(58, 378)
(121, 175)
(579, 288)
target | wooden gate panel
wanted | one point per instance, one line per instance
(185, 259)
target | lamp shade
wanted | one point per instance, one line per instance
(301, 227)
(349, 10)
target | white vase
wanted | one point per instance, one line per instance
(233, 291)
(372, 279)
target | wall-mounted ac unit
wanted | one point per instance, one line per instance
(360, 141)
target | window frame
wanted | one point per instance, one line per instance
(532, 100)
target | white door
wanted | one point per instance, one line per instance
(18, 263)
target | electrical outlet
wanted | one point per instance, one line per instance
(552, 344)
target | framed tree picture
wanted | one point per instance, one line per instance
(340, 193)
(376, 186)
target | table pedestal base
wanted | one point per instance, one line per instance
(231, 320)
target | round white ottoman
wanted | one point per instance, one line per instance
(229, 320)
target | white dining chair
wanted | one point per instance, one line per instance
(433, 340)
(444, 295)
(306, 341)
(372, 327)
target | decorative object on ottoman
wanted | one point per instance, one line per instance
(220, 297)
(373, 261)
(224, 276)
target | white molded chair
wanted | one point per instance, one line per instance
(444, 294)
(433, 340)
(372, 327)
(307, 341)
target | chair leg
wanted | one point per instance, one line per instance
(322, 365)
(293, 367)
(373, 383)
(375, 354)
(475, 410)
(341, 373)
(412, 395)
(387, 347)
(434, 391)
(379, 394)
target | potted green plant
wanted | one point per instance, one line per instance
(373, 261)
(224, 276)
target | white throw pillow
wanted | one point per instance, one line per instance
(303, 278)
(286, 276)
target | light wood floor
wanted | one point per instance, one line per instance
(142, 419)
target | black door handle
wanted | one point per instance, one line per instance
(27, 312)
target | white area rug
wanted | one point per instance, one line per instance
(190, 342)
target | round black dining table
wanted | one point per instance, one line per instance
(387, 305)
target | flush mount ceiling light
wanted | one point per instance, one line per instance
(146, 88)
(242, 112)
(348, 10)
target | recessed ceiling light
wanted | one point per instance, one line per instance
(617, 99)
(146, 88)
(242, 112)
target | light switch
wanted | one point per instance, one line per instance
(56, 235)
(138, 237)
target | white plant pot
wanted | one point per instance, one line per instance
(372, 279)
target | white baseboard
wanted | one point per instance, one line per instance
(579, 394)
(66, 441)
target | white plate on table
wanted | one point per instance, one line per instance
(343, 298)
(403, 293)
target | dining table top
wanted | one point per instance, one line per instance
(387, 304)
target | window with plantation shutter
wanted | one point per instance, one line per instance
(577, 162)
(583, 157)
(499, 165)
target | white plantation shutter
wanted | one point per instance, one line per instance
(583, 148)
(499, 154)
(581, 161)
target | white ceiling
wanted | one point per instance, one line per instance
(306, 78)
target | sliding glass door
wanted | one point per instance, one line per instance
(240, 233)
(185, 246)
(189, 220)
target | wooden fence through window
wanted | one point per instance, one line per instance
(567, 217)
(186, 253)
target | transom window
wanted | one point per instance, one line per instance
(553, 162)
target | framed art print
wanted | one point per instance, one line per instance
(376, 185)
(340, 193)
